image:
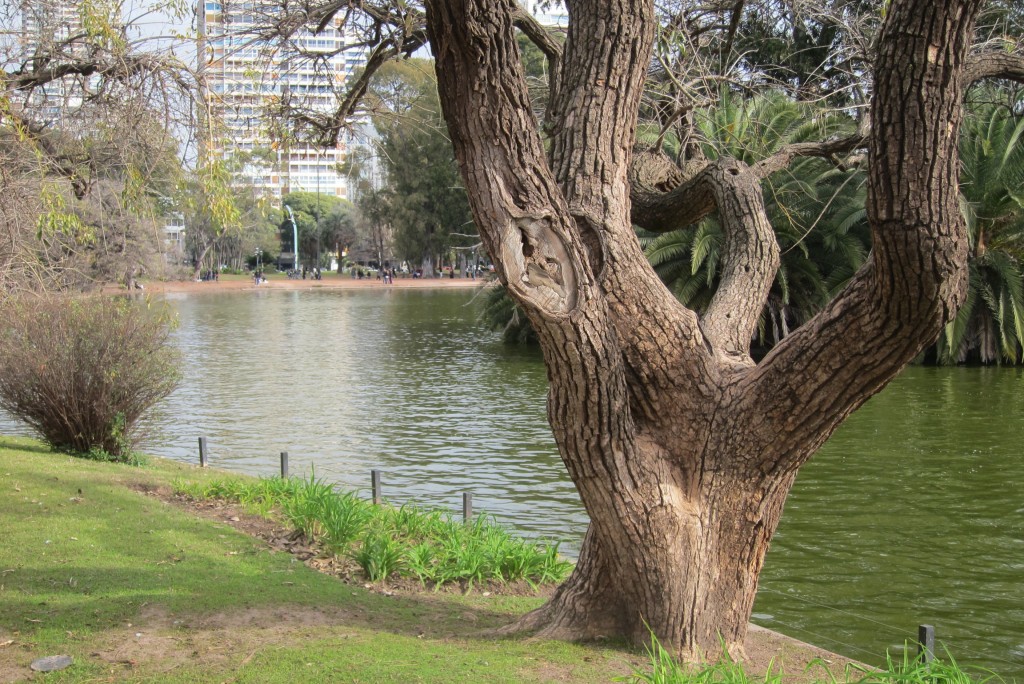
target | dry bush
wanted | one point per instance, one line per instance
(82, 371)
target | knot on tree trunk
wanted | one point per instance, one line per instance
(538, 265)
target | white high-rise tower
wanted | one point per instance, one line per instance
(246, 79)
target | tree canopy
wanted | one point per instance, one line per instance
(88, 114)
(421, 197)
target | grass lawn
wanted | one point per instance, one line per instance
(135, 589)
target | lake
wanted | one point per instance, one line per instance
(913, 513)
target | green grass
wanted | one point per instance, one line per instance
(135, 589)
(662, 668)
(387, 542)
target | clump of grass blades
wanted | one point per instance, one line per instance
(380, 555)
(257, 497)
(913, 670)
(428, 545)
(452, 551)
(306, 508)
(665, 669)
(343, 518)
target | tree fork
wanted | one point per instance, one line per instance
(683, 457)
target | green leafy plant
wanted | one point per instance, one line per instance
(379, 556)
(305, 510)
(343, 518)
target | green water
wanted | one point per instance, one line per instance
(913, 513)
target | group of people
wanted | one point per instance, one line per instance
(386, 275)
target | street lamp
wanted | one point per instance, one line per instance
(259, 253)
(295, 238)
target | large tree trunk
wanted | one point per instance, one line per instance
(683, 450)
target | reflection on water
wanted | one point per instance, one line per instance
(405, 381)
(913, 513)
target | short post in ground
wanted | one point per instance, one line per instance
(375, 486)
(926, 643)
(203, 454)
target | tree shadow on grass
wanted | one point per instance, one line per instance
(224, 596)
(24, 444)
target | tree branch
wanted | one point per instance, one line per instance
(539, 36)
(520, 212)
(994, 63)
(116, 67)
(829, 148)
(750, 261)
(383, 53)
(666, 198)
(387, 29)
(916, 277)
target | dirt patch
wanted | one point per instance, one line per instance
(802, 662)
(12, 657)
(153, 650)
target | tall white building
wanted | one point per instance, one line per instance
(246, 79)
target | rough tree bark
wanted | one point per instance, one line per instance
(682, 448)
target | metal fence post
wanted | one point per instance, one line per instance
(202, 452)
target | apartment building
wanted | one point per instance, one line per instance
(247, 79)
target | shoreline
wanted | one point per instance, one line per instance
(330, 282)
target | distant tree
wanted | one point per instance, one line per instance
(422, 200)
(374, 224)
(311, 211)
(339, 230)
(212, 212)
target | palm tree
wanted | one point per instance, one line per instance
(500, 312)
(990, 326)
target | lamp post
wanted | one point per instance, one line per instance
(295, 238)
(259, 253)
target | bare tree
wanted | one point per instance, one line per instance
(91, 107)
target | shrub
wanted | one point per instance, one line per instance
(82, 371)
